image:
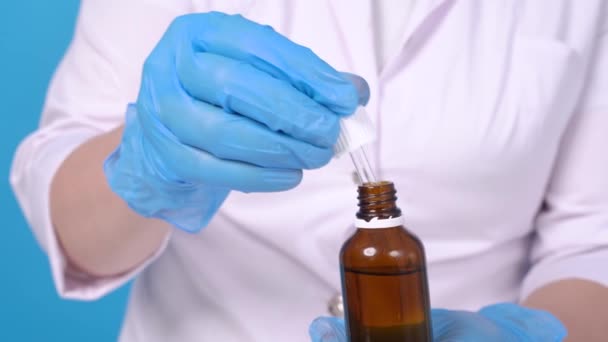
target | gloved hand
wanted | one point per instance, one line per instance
(503, 322)
(226, 104)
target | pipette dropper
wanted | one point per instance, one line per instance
(362, 165)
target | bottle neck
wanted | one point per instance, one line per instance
(378, 206)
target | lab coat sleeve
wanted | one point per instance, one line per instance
(572, 229)
(88, 95)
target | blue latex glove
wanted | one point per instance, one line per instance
(503, 322)
(226, 104)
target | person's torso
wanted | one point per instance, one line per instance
(469, 111)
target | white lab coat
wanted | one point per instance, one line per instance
(492, 119)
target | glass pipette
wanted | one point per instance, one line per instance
(364, 169)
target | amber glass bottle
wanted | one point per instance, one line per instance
(384, 281)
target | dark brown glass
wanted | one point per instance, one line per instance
(384, 281)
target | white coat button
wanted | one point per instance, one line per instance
(336, 306)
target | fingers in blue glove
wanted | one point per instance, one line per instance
(240, 88)
(523, 322)
(180, 162)
(498, 322)
(238, 38)
(361, 85)
(327, 329)
(302, 130)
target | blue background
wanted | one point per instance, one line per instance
(33, 38)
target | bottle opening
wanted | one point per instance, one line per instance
(377, 200)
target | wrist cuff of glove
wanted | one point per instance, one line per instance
(140, 180)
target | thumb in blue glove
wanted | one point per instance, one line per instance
(498, 322)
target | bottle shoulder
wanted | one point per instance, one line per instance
(385, 248)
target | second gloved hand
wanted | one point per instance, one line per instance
(503, 322)
(225, 104)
